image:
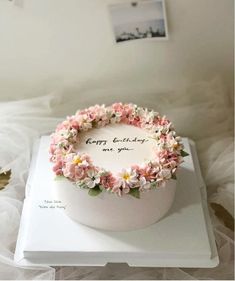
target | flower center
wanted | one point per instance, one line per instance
(126, 176)
(77, 160)
(146, 175)
(176, 145)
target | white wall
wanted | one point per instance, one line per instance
(46, 42)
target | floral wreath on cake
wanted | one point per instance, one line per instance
(79, 168)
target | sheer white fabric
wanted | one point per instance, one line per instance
(202, 112)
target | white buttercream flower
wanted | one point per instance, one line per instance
(92, 179)
(80, 160)
(173, 144)
(101, 115)
(85, 126)
(142, 112)
(64, 133)
(165, 128)
(84, 122)
(115, 117)
(164, 174)
(128, 177)
(155, 134)
(144, 184)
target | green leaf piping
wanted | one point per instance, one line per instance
(58, 178)
(183, 153)
(94, 191)
(135, 192)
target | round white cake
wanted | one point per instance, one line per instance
(115, 166)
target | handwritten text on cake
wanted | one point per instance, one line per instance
(115, 140)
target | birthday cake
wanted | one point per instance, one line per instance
(115, 167)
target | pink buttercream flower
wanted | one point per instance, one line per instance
(148, 171)
(126, 111)
(74, 124)
(57, 156)
(100, 114)
(118, 106)
(135, 121)
(162, 156)
(52, 149)
(74, 172)
(147, 122)
(117, 189)
(69, 170)
(76, 165)
(166, 157)
(162, 121)
(57, 168)
(108, 181)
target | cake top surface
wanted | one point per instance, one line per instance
(122, 148)
(117, 146)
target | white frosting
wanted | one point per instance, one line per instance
(116, 137)
(110, 212)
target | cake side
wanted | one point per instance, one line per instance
(115, 213)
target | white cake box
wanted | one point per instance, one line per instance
(182, 238)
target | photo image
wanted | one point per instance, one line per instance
(139, 20)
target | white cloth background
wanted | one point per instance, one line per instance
(202, 111)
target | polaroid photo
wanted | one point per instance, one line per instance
(141, 19)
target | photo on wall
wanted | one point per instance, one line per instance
(143, 19)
